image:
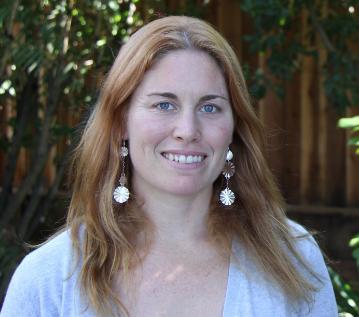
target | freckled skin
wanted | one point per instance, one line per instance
(185, 125)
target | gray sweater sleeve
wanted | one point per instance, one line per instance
(324, 303)
(23, 297)
(37, 286)
(252, 293)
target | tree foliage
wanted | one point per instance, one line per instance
(347, 297)
(278, 33)
(352, 124)
(52, 54)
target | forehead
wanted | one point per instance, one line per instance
(185, 70)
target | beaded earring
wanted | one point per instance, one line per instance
(226, 196)
(121, 193)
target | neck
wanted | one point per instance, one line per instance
(176, 219)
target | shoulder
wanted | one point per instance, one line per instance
(52, 258)
(297, 230)
(323, 303)
(250, 277)
(302, 240)
(37, 283)
(306, 245)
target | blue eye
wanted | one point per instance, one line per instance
(209, 108)
(165, 106)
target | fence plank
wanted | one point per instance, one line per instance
(229, 23)
(272, 115)
(307, 123)
(322, 118)
(291, 161)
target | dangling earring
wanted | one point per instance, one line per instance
(227, 196)
(121, 193)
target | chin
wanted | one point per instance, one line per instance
(186, 189)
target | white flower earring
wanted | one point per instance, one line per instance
(227, 196)
(121, 193)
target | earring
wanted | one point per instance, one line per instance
(227, 196)
(121, 193)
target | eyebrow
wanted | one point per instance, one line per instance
(174, 97)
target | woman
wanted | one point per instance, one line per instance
(174, 211)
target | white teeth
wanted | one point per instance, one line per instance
(183, 159)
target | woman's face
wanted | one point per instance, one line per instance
(180, 124)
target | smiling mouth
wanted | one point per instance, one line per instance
(184, 159)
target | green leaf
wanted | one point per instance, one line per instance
(348, 122)
(353, 141)
(354, 242)
(356, 254)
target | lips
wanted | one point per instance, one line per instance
(184, 158)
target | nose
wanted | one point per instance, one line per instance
(187, 128)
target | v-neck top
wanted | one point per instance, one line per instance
(45, 284)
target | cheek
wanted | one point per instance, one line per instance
(146, 131)
(221, 135)
(227, 132)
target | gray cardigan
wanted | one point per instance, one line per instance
(46, 284)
